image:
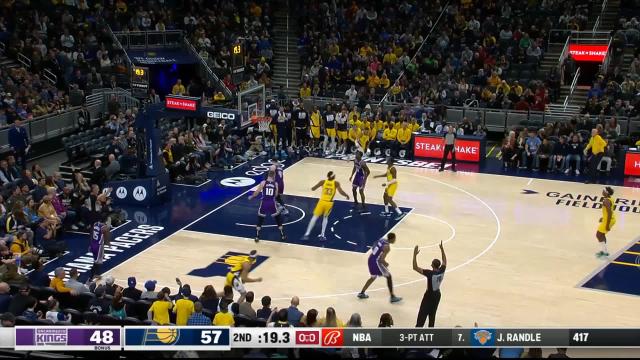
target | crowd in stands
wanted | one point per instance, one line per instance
(564, 147)
(67, 301)
(478, 55)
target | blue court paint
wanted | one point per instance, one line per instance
(345, 228)
(617, 277)
(220, 267)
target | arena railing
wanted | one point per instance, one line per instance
(435, 25)
(607, 58)
(205, 70)
(563, 56)
(572, 88)
(494, 120)
(59, 124)
(596, 25)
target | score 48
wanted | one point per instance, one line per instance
(101, 337)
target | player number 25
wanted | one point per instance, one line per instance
(206, 336)
(102, 337)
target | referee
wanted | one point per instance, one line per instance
(431, 298)
(449, 147)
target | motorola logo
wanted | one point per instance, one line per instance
(121, 193)
(140, 193)
(237, 181)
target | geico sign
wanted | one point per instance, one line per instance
(433, 147)
(221, 115)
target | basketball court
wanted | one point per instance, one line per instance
(521, 251)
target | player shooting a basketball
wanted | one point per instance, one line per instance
(325, 203)
(391, 188)
(238, 274)
(361, 172)
(607, 221)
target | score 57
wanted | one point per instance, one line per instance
(208, 337)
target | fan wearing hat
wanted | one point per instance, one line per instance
(607, 221)
(150, 291)
(131, 292)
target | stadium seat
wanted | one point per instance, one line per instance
(42, 293)
(141, 308)
(131, 321)
(109, 320)
(76, 316)
(21, 320)
(208, 313)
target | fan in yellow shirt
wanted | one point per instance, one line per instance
(159, 310)
(354, 135)
(183, 309)
(384, 81)
(404, 134)
(414, 125)
(389, 58)
(373, 81)
(363, 140)
(178, 88)
(305, 91)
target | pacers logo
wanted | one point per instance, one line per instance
(307, 337)
(139, 193)
(482, 337)
(332, 337)
(121, 193)
(161, 336)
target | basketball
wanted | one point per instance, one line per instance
(167, 335)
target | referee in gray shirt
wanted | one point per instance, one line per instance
(449, 147)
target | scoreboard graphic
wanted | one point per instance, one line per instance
(68, 338)
(176, 338)
(213, 338)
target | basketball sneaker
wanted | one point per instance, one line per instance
(256, 239)
(322, 238)
(362, 296)
(395, 299)
(400, 216)
(385, 214)
(285, 211)
(602, 254)
(305, 237)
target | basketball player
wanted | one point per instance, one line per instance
(100, 236)
(238, 273)
(378, 266)
(330, 129)
(269, 190)
(279, 179)
(325, 203)
(391, 188)
(361, 172)
(301, 121)
(316, 121)
(272, 110)
(607, 221)
(341, 127)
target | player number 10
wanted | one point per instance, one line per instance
(102, 337)
(206, 336)
(580, 337)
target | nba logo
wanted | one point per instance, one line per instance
(482, 338)
(307, 337)
(332, 337)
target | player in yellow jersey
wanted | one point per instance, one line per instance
(239, 268)
(354, 135)
(316, 121)
(391, 188)
(325, 203)
(607, 221)
(363, 141)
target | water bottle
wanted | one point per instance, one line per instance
(18, 260)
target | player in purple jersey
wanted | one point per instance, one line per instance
(100, 236)
(269, 190)
(279, 179)
(378, 266)
(361, 173)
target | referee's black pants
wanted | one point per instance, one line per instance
(594, 162)
(428, 308)
(448, 149)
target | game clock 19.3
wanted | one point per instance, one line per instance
(273, 337)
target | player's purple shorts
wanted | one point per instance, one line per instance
(268, 208)
(375, 268)
(358, 181)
